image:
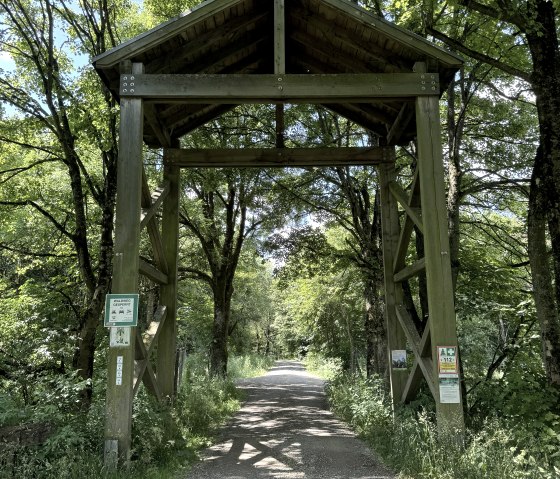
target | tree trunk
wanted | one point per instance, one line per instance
(218, 350)
(543, 292)
(375, 330)
(544, 203)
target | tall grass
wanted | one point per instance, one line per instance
(248, 366)
(164, 438)
(407, 441)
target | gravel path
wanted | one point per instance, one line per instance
(285, 431)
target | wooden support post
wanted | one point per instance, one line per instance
(438, 266)
(170, 237)
(279, 63)
(396, 339)
(125, 273)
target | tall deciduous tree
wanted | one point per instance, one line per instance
(71, 124)
(528, 49)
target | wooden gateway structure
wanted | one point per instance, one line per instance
(188, 71)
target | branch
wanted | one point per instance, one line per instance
(460, 47)
(194, 273)
(44, 212)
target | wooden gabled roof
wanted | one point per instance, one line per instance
(237, 37)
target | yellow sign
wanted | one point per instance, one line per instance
(447, 360)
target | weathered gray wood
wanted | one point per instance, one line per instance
(157, 198)
(410, 271)
(279, 37)
(200, 44)
(125, 270)
(396, 33)
(407, 227)
(414, 213)
(150, 336)
(168, 296)
(151, 272)
(396, 339)
(279, 63)
(153, 227)
(307, 88)
(415, 379)
(402, 121)
(414, 341)
(160, 34)
(436, 243)
(256, 157)
(154, 120)
(143, 371)
(145, 345)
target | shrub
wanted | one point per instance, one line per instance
(408, 440)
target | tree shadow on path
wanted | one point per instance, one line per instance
(285, 431)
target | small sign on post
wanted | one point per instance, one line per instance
(448, 369)
(121, 310)
(119, 337)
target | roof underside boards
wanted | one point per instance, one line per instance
(237, 37)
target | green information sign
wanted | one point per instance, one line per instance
(121, 310)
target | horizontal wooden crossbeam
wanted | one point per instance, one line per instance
(282, 157)
(307, 88)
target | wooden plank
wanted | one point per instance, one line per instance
(395, 33)
(410, 271)
(168, 295)
(415, 379)
(436, 243)
(151, 272)
(154, 120)
(160, 34)
(230, 30)
(153, 227)
(150, 336)
(396, 339)
(407, 226)
(308, 88)
(256, 157)
(143, 371)
(157, 198)
(399, 126)
(279, 63)
(279, 37)
(413, 213)
(414, 342)
(125, 270)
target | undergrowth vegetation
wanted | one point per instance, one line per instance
(164, 438)
(505, 445)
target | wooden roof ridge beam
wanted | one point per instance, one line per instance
(280, 157)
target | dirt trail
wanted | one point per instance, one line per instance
(285, 431)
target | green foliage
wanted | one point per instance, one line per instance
(408, 441)
(248, 365)
(163, 439)
(326, 368)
